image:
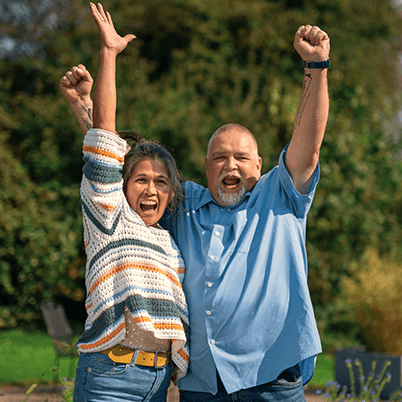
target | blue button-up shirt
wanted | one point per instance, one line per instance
(250, 310)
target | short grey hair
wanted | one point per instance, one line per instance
(232, 126)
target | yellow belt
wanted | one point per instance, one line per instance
(123, 354)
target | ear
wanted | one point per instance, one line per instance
(206, 166)
(259, 164)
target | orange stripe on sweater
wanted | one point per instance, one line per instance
(102, 152)
(167, 326)
(184, 355)
(159, 326)
(103, 340)
(142, 319)
(107, 207)
(122, 267)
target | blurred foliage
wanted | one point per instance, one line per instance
(198, 64)
(374, 293)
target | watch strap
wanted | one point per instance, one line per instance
(317, 64)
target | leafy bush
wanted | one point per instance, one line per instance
(195, 66)
(40, 243)
(374, 294)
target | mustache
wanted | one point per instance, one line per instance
(230, 175)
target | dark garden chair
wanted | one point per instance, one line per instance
(59, 329)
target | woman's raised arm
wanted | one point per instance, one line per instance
(104, 101)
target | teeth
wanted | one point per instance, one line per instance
(148, 202)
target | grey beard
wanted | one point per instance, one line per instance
(231, 199)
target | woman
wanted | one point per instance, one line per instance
(137, 314)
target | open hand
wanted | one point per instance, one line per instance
(312, 43)
(110, 39)
(76, 84)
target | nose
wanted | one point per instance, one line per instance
(231, 163)
(150, 188)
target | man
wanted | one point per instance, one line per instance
(253, 331)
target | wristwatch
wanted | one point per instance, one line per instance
(317, 64)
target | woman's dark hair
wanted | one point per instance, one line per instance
(142, 148)
(131, 137)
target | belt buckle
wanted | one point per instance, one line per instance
(156, 360)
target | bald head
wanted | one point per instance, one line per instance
(234, 127)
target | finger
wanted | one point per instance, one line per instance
(102, 12)
(302, 32)
(64, 82)
(109, 18)
(314, 35)
(96, 14)
(78, 73)
(70, 76)
(94, 11)
(321, 36)
(82, 67)
(86, 73)
(129, 37)
(317, 35)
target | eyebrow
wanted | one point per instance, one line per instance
(219, 153)
(159, 176)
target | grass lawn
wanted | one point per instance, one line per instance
(29, 356)
(324, 370)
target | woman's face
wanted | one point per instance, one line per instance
(148, 190)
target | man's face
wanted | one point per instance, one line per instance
(232, 165)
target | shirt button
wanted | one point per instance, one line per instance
(209, 313)
(212, 341)
(212, 257)
(217, 233)
(210, 285)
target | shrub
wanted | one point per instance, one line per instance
(374, 294)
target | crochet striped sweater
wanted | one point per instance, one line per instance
(128, 263)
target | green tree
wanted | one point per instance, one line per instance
(195, 66)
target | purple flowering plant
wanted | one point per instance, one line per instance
(370, 387)
(68, 389)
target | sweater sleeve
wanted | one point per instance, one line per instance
(102, 183)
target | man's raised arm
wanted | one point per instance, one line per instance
(313, 45)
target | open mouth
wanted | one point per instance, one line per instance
(231, 182)
(148, 205)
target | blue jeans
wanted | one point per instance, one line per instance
(99, 379)
(287, 387)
